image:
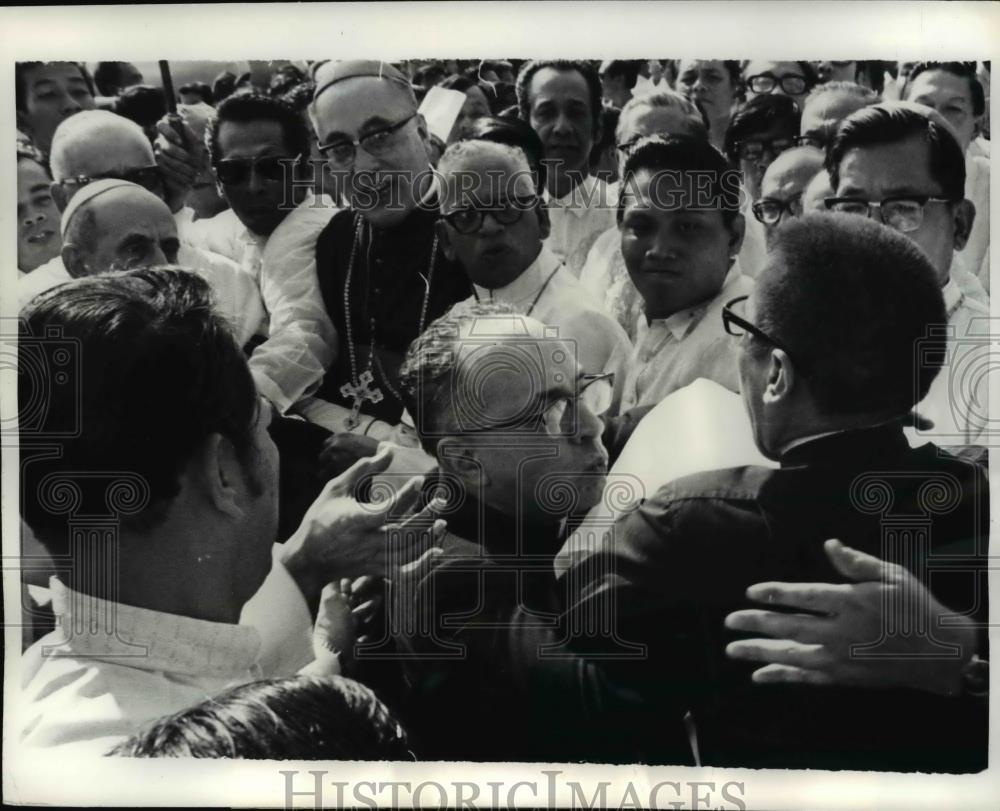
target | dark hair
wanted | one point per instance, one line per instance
(429, 75)
(284, 79)
(628, 69)
(223, 85)
(300, 97)
(459, 83)
(124, 375)
(427, 372)
(890, 123)
(683, 153)
(21, 80)
(609, 125)
(248, 106)
(28, 151)
(512, 132)
(200, 89)
(854, 302)
(964, 70)
(585, 69)
(108, 76)
(760, 114)
(142, 104)
(294, 718)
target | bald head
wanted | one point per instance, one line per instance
(786, 179)
(98, 143)
(830, 104)
(123, 227)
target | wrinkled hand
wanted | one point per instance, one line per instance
(340, 451)
(181, 159)
(340, 537)
(809, 649)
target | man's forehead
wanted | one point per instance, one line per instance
(242, 135)
(126, 209)
(486, 178)
(895, 165)
(51, 72)
(349, 103)
(939, 82)
(551, 83)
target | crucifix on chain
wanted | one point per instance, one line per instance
(359, 392)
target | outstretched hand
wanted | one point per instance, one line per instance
(821, 647)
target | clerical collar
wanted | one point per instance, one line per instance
(871, 440)
(953, 297)
(522, 291)
(680, 323)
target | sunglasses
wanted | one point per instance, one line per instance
(237, 171)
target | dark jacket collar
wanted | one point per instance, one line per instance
(875, 443)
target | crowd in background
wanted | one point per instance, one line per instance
(279, 283)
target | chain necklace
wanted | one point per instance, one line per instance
(360, 387)
(535, 301)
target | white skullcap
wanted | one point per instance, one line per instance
(88, 193)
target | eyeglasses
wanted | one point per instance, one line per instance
(149, 177)
(237, 171)
(793, 84)
(470, 220)
(753, 150)
(376, 143)
(738, 326)
(768, 210)
(628, 146)
(560, 417)
(904, 214)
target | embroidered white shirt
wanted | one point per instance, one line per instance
(577, 219)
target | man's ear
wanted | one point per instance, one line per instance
(964, 215)
(781, 377)
(737, 231)
(59, 195)
(977, 126)
(444, 240)
(221, 475)
(544, 224)
(73, 261)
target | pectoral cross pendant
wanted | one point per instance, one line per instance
(359, 392)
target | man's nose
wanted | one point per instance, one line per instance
(491, 225)
(157, 256)
(70, 105)
(35, 219)
(662, 245)
(255, 182)
(563, 124)
(589, 426)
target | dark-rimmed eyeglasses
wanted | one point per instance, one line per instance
(903, 213)
(753, 149)
(149, 177)
(812, 139)
(237, 171)
(794, 84)
(559, 417)
(768, 210)
(470, 219)
(376, 143)
(737, 325)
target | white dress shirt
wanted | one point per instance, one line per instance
(108, 668)
(578, 218)
(556, 298)
(976, 253)
(957, 402)
(301, 340)
(672, 352)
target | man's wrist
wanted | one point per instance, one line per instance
(303, 571)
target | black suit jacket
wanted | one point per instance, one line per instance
(683, 560)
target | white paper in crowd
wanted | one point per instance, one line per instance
(440, 108)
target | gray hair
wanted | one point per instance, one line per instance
(667, 99)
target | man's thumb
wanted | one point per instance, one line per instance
(854, 565)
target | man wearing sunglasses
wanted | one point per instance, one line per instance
(96, 145)
(494, 224)
(784, 183)
(901, 164)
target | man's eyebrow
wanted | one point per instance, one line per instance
(39, 187)
(374, 121)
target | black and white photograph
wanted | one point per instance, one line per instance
(498, 405)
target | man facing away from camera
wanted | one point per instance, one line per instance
(149, 607)
(835, 425)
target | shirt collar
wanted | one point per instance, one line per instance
(681, 322)
(952, 295)
(151, 640)
(579, 199)
(526, 286)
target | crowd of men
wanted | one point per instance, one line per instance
(354, 362)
